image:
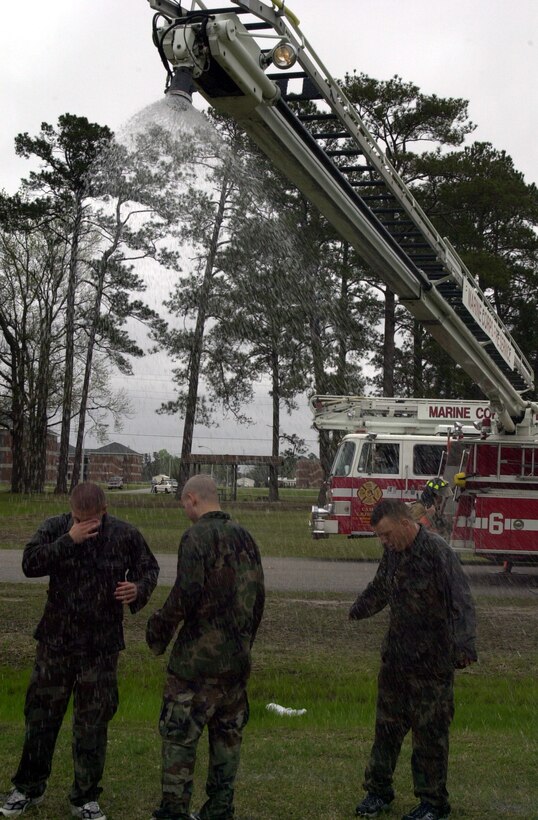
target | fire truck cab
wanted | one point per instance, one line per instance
(492, 506)
(369, 467)
(396, 447)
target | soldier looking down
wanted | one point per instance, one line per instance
(219, 596)
(431, 632)
(96, 565)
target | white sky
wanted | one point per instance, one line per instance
(95, 58)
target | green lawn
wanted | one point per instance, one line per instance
(307, 655)
(280, 529)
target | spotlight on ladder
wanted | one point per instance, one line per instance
(283, 55)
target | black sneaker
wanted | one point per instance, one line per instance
(425, 811)
(372, 805)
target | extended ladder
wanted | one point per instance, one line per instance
(332, 158)
(404, 416)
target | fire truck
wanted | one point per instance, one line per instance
(392, 448)
(251, 61)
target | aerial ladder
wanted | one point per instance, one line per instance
(252, 62)
(372, 414)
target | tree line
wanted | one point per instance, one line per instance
(265, 292)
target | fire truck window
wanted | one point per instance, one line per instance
(344, 459)
(427, 459)
(386, 459)
(365, 460)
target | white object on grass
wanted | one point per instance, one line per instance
(284, 710)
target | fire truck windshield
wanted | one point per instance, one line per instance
(344, 459)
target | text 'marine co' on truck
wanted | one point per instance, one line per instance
(239, 58)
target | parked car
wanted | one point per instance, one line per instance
(115, 482)
(162, 486)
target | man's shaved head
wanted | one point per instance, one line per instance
(203, 486)
(200, 496)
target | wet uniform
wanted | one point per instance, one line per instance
(79, 638)
(219, 596)
(431, 629)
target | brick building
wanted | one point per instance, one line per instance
(6, 460)
(113, 459)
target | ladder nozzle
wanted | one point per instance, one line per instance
(181, 84)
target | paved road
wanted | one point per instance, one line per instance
(304, 575)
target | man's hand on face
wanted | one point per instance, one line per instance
(83, 530)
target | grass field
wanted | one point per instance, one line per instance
(307, 655)
(280, 529)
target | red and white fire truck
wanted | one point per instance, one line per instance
(239, 58)
(393, 447)
(396, 445)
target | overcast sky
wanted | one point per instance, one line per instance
(95, 58)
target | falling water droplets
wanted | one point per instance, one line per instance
(176, 116)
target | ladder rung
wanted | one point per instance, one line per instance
(331, 135)
(343, 152)
(366, 183)
(347, 169)
(317, 117)
(289, 75)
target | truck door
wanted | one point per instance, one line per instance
(378, 476)
(342, 489)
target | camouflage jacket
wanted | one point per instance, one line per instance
(219, 596)
(81, 613)
(432, 617)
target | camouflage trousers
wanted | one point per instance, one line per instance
(187, 707)
(92, 680)
(424, 705)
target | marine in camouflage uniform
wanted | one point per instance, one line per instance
(87, 555)
(219, 596)
(431, 632)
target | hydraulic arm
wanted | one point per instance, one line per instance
(240, 59)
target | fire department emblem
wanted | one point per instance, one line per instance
(370, 493)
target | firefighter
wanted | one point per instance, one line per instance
(428, 510)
